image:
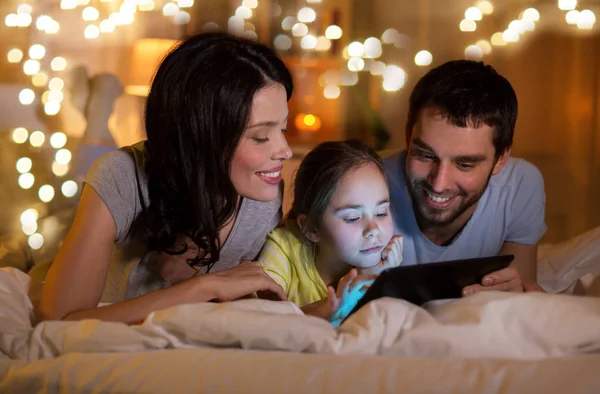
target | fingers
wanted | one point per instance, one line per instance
(332, 299)
(514, 286)
(391, 255)
(504, 275)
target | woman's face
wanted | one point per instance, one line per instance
(258, 159)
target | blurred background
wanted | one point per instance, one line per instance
(74, 70)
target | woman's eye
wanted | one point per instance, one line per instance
(260, 140)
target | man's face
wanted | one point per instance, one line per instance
(448, 168)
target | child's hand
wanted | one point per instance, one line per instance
(341, 301)
(391, 257)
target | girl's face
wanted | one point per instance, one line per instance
(357, 224)
(258, 159)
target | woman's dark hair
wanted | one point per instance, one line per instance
(197, 109)
(321, 171)
(467, 92)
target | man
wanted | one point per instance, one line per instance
(456, 192)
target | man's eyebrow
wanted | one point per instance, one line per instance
(471, 158)
(268, 123)
(422, 145)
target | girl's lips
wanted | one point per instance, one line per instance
(371, 250)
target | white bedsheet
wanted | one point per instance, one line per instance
(482, 326)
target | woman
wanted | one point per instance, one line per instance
(168, 220)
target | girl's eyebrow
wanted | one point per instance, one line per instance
(358, 207)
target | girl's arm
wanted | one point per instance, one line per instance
(76, 279)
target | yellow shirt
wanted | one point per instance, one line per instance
(290, 261)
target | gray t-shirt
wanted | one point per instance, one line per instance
(510, 210)
(133, 270)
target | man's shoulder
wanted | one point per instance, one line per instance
(516, 172)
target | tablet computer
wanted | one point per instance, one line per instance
(421, 283)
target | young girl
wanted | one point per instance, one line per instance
(339, 232)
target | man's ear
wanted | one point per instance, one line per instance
(501, 162)
(307, 229)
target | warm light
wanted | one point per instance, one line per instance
(473, 13)
(306, 15)
(485, 46)
(308, 42)
(42, 22)
(473, 52)
(58, 64)
(90, 14)
(45, 97)
(372, 47)
(40, 79)
(26, 96)
(37, 138)
(53, 27)
(299, 30)
(467, 25)
(250, 3)
(395, 76)
(56, 84)
(127, 9)
(68, 4)
(23, 20)
(423, 58)
(572, 17)
(37, 51)
(528, 25)
(282, 42)
(58, 140)
(185, 3)
(235, 25)
(390, 86)
(356, 64)
(91, 32)
(485, 7)
(46, 193)
(20, 135)
(11, 20)
(377, 68)
(59, 169)
(333, 32)
(63, 156)
(24, 165)
(356, 49)
(31, 67)
(323, 43)
(170, 9)
(531, 14)
(29, 229)
(24, 9)
(15, 55)
(331, 92)
(52, 108)
(181, 18)
(567, 5)
(517, 25)
(29, 217)
(497, 39)
(288, 23)
(36, 241)
(510, 35)
(146, 7)
(348, 78)
(243, 12)
(26, 180)
(307, 122)
(586, 19)
(69, 188)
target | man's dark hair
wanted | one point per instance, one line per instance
(470, 93)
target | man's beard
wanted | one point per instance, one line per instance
(428, 216)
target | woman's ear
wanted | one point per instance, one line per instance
(308, 231)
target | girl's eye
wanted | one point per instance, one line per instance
(381, 214)
(351, 220)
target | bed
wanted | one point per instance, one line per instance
(487, 343)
